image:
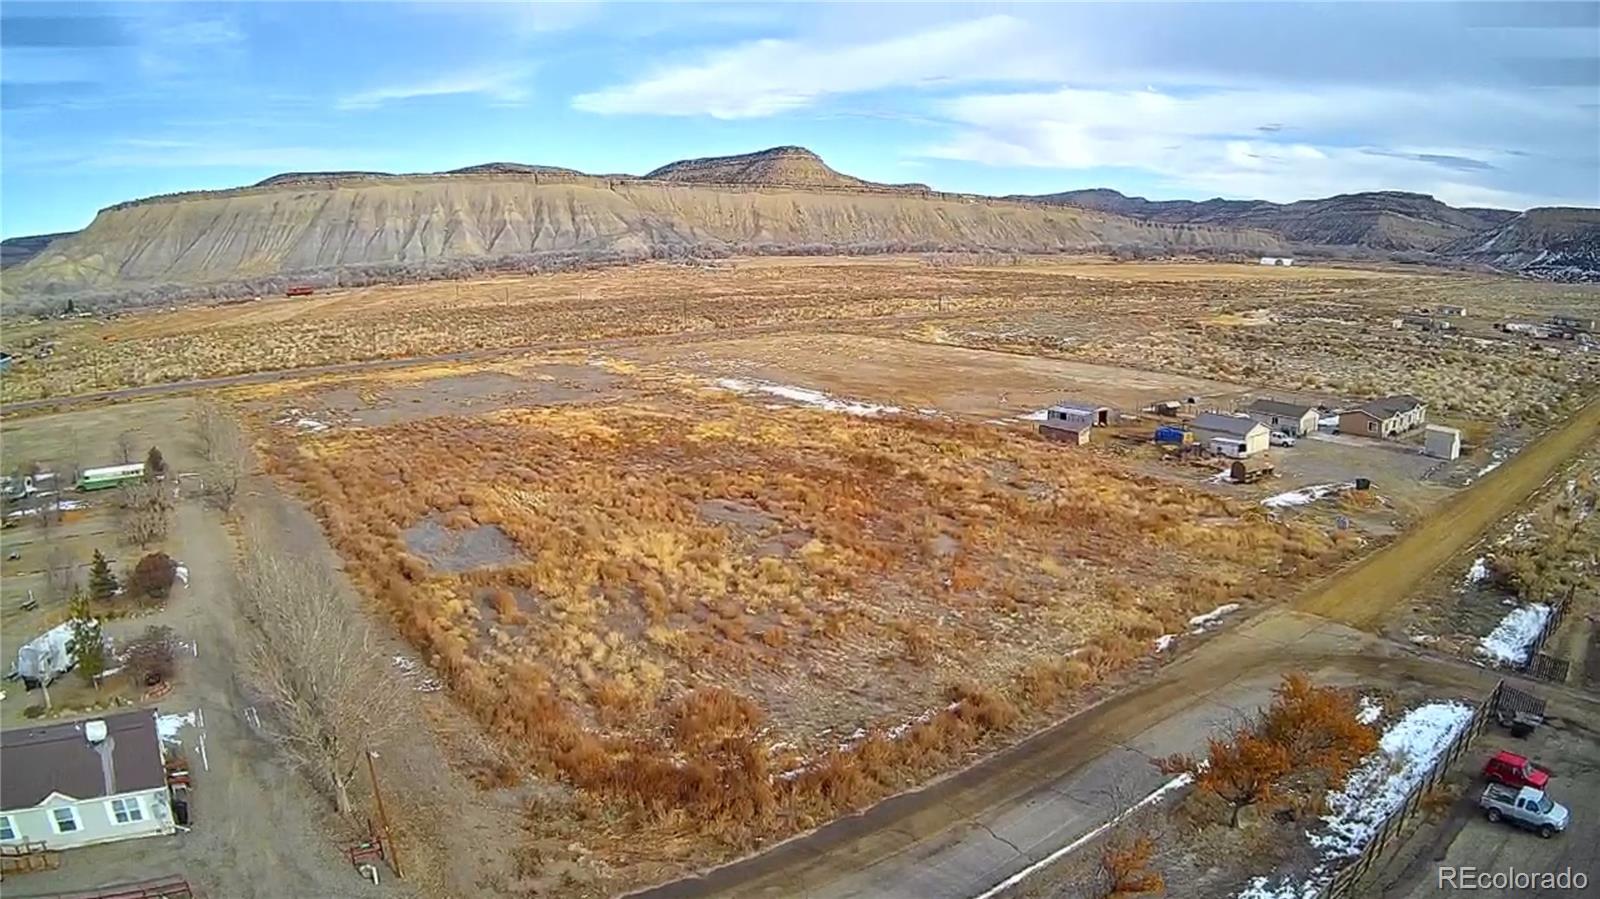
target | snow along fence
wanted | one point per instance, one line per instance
(1542, 666)
(1344, 883)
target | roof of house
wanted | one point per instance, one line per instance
(1390, 406)
(1237, 425)
(1087, 405)
(58, 758)
(1441, 429)
(1277, 407)
(1069, 409)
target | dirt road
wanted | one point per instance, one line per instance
(942, 840)
(1359, 596)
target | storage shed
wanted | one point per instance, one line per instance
(1064, 433)
(1441, 442)
(1243, 435)
(1248, 471)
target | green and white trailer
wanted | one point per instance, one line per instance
(110, 476)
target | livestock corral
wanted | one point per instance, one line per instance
(714, 554)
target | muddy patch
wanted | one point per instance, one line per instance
(735, 514)
(455, 551)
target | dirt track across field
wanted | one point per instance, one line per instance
(939, 841)
(1362, 594)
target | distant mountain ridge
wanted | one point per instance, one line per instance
(1379, 220)
(361, 227)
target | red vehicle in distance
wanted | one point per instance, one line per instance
(1515, 771)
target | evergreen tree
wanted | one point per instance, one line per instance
(154, 465)
(88, 644)
(102, 583)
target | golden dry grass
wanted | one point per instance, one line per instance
(710, 594)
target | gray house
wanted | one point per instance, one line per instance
(1294, 419)
(78, 783)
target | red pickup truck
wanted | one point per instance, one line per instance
(1515, 771)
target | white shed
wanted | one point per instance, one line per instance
(1441, 442)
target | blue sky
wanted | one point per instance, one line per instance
(1478, 104)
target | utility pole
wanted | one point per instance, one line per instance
(383, 817)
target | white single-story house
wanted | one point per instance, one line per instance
(1294, 419)
(1245, 435)
(1453, 310)
(1441, 442)
(1384, 417)
(1276, 260)
(78, 783)
(1099, 415)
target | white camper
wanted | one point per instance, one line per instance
(46, 657)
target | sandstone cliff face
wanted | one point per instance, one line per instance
(319, 222)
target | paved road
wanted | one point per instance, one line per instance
(960, 836)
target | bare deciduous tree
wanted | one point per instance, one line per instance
(146, 512)
(209, 420)
(126, 442)
(226, 452)
(61, 576)
(328, 694)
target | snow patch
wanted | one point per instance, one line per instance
(1369, 710)
(1164, 642)
(1199, 622)
(412, 670)
(1509, 642)
(1039, 415)
(805, 396)
(1305, 495)
(1381, 783)
(1479, 572)
(168, 726)
(182, 573)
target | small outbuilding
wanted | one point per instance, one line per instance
(1277, 260)
(1234, 435)
(1172, 435)
(1458, 311)
(1099, 416)
(1065, 433)
(1248, 471)
(1441, 442)
(78, 783)
(1294, 419)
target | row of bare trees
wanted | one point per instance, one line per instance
(224, 453)
(316, 664)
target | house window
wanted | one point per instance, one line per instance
(126, 811)
(64, 819)
(1372, 426)
(8, 831)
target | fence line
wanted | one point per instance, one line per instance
(1543, 666)
(1344, 882)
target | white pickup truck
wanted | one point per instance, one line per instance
(1525, 807)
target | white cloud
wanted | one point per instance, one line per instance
(1282, 143)
(768, 77)
(507, 85)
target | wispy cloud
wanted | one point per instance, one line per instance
(500, 85)
(1281, 143)
(768, 77)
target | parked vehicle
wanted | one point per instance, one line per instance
(1515, 771)
(1281, 438)
(1525, 807)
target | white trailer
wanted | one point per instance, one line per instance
(46, 657)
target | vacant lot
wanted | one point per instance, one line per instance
(719, 619)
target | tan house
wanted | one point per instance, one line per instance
(1384, 417)
(1293, 419)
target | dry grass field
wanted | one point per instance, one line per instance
(723, 622)
(1183, 318)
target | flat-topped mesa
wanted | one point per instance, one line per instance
(778, 167)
